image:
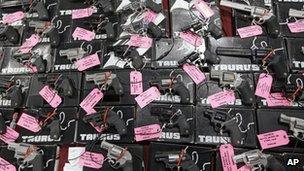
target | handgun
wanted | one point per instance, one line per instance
(54, 127)
(46, 29)
(263, 14)
(73, 54)
(106, 80)
(172, 119)
(107, 119)
(257, 160)
(174, 159)
(33, 59)
(222, 122)
(296, 125)
(118, 157)
(173, 86)
(9, 33)
(101, 24)
(296, 13)
(39, 7)
(128, 54)
(27, 154)
(105, 5)
(236, 81)
(201, 58)
(12, 92)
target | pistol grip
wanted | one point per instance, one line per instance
(274, 164)
(128, 166)
(54, 127)
(38, 163)
(154, 30)
(15, 95)
(117, 122)
(211, 58)
(117, 86)
(272, 26)
(189, 165)
(2, 125)
(184, 127)
(137, 60)
(279, 67)
(40, 64)
(246, 93)
(215, 30)
(53, 34)
(182, 91)
(67, 88)
(109, 30)
(234, 132)
(42, 11)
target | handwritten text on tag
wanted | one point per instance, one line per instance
(273, 139)
(92, 160)
(83, 34)
(29, 122)
(226, 153)
(91, 100)
(136, 84)
(195, 73)
(264, 85)
(50, 96)
(147, 97)
(87, 62)
(250, 31)
(147, 132)
(221, 98)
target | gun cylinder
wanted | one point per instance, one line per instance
(105, 145)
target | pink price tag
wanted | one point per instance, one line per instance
(91, 100)
(92, 160)
(87, 62)
(226, 153)
(10, 136)
(29, 122)
(140, 41)
(147, 132)
(245, 168)
(221, 98)
(191, 38)
(29, 43)
(296, 27)
(83, 34)
(82, 13)
(13, 17)
(195, 73)
(204, 8)
(6, 166)
(250, 31)
(273, 139)
(264, 85)
(50, 96)
(277, 99)
(150, 16)
(147, 97)
(136, 85)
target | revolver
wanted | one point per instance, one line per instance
(2, 125)
(12, 91)
(172, 118)
(46, 29)
(263, 15)
(236, 81)
(73, 54)
(221, 122)
(9, 33)
(33, 58)
(118, 157)
(174, 159)
(27, 154)
(99, 25)
(296, 125)
(173, 86)
(258, 161)
(39, 7)
(196, 57)
(296, 13)
(106, 80)
(106, 119)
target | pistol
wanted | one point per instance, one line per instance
(73, 54)
(257, 160)
(195, 57)
(32, 58)
(173, 159)
(9, 33)
(27, 154)
(39, 7)
(48, 30)
(221, 122)
(270, 20)
(236, 81)
(105, 120)
(172, 86)
(172, 118)
(296, 125)
(106, 80)
(118, 157)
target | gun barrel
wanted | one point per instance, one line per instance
(235, 5)
(296, 13)
(105, 145)
(285, 119)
